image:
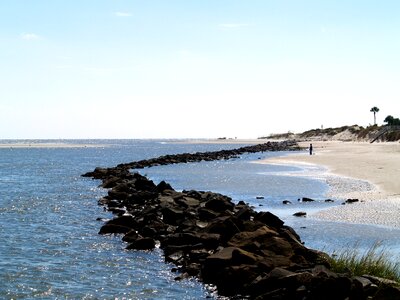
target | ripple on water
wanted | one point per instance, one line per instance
(50, 248)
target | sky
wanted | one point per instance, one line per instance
(195, 68)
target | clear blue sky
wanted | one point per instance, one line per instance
(195, 68)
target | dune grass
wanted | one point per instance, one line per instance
(375, 261)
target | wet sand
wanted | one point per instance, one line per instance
(368, 172)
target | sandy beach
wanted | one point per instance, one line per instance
(368, 172)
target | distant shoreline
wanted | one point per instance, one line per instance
(33, 144)
(228, 141)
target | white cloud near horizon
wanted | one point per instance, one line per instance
(122, 14)
(30, 36)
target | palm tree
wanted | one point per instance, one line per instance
(374, 110)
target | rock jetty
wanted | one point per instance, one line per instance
(245, 254)
(100, 173)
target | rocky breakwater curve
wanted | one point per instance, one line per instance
(243, 253)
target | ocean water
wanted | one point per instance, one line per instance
(49, 245)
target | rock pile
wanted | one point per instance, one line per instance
(242, 252)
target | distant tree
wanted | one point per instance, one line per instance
(392, 121)
(389, 120)
(374, 110)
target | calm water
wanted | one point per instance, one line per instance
(48, 230)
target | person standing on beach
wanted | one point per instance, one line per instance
(310, 149)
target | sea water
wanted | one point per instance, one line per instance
(48, 217)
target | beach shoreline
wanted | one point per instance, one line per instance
(354, 170)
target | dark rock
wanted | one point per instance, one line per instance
(143, 183)
(216, 267)
(226, 226)
(148, 231)
(140, 197)
(172, 216)
(268, 285)
(130, 236)
(193, 269)
(244, 213)
(113, 228)
(278, 245)
(142, 244)
(245, 238)
(269, 219)
(330, 287)
(235, 278)
(117, 195)
(280, 273)
(323, 271)
(117, 211)
(110, 203)
(219, 204)
(218, 260)
(179, 239)
(362, 282)
(162, 186)
(187, 202)
(290, 234)
(111, 182)
(380, 281)
(300, 214)
(272, 260)
(126, 221)
(349, 201)
(388, 293)
(305, 199)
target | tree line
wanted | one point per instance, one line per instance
(390, 120)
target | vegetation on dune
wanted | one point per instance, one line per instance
(389, 132)
(347, 133)
(365, 133)
(374, 262)
(355, 129)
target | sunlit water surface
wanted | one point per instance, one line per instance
(48, 230)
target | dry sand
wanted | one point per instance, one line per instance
(368, 172)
